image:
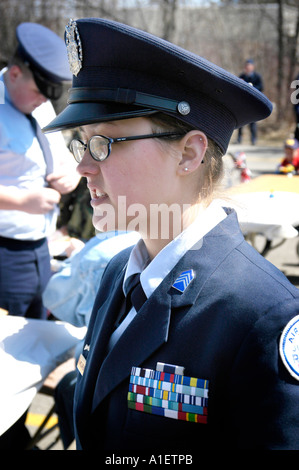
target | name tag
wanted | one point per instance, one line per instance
(81, 364)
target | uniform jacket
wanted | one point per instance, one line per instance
(225, 327)
(255, 79)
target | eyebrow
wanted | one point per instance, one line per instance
(83, 133)
(80, 130)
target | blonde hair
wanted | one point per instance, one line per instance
(213, 162)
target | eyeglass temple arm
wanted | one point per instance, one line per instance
(146, 136)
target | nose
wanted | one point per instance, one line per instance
(42, 98)
(88, 165)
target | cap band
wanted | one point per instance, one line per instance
(125, 96)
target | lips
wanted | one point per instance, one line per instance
(97, 196)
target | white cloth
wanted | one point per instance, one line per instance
(272, 214)
(29, 351)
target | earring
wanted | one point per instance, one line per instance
(186, 169)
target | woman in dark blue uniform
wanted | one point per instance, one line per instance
(205, 354)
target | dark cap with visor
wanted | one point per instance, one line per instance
(120, 72)
(45, 55)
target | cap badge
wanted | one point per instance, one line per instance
(74, 47)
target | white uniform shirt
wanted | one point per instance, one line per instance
(24, 165)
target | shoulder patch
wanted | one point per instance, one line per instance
(289, 347)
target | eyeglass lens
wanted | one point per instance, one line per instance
(98, 147)
(77, 148)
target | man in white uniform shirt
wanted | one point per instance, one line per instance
(32, 178)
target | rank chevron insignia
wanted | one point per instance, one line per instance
(184, 280)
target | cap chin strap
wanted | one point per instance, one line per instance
(127, 96)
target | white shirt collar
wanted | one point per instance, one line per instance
(155, 271)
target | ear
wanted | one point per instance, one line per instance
(14, 73)
(193, 145)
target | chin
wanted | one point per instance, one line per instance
(104, 223)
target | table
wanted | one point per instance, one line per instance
(268, 183)
(29, 350)
(267, 205)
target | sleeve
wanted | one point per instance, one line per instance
(2, 92)
(70, 293)
(264, 394)
(259, 82)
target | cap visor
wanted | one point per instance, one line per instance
(80, 114)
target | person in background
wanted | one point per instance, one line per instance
(290, 162)
(249, 75)
(34, 170)
(190, 344)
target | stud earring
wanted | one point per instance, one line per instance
(186, 169)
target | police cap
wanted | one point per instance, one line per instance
(120, 72)
(45, 55)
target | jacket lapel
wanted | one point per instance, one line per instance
(139, 341)
(136, 344)
(213, 249)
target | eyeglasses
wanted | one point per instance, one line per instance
(99, 146)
